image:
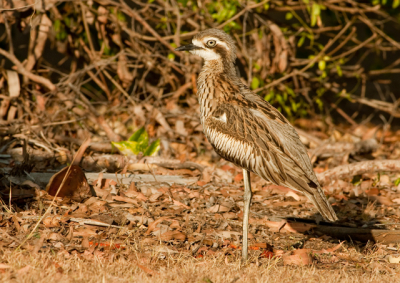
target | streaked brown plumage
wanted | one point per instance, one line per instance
(245, 129)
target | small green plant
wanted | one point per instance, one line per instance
(138, 142)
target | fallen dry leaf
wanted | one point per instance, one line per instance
(372, 192)
(154, 224)
(55, 237)
(75, 186)
(173, 235)
(267, 254)
(229, 215)
(298, 257)
(288, 227)
(83, 232)
(394, 258)
(194, 195)
(147, 270)
(4, 266)
(125, 199)
(331, 250)
(218, 208)
(238, 177)
(154, 197)
(293, 195)
(135, 194)
(24, 270)
(85, 242)
(51, 222)
(175, 225)
(178, 203)
(106, 245)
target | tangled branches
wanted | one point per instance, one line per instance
(108, 67)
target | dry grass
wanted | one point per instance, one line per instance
(131, 266)
(206, 251)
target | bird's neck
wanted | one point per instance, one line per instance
(220, 67)
(216, 83)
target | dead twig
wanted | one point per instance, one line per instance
(21, 69)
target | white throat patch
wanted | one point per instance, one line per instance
(206, 54)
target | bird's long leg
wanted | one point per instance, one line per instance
(246, 209)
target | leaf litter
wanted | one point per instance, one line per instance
(152, 224)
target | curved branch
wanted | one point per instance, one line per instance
(21, 69)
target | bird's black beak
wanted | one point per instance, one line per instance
(187, 47)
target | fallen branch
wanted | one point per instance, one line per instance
(42, 179)
(329, 149)
(338, 232)
(83, 221)
(359, 168)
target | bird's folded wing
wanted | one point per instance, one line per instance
(254, 135)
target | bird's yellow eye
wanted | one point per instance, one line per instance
(211, 43)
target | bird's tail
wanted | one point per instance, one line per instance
(318, 198)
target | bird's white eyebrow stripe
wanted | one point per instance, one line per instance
(201, 44)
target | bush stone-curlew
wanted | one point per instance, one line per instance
(246, 130)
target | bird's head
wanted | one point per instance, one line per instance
(212, 44)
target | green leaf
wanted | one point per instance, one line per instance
(301, 41)
(257, 67)
(269, 96)
(121, 17)
(139, 135)
(294, 106)
(142, 138)
(319, 103)
(339, 70)
(395, 4)
(57, 26)
(356, 180)
(290, 91)
(183, 2)
(231, 13)
(153, 149)
(315, 12)
(322, 65)
(255, 83)
(288, 16)
(171, 56)
(128, 148)
(397, 182)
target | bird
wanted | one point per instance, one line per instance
(248, 131)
